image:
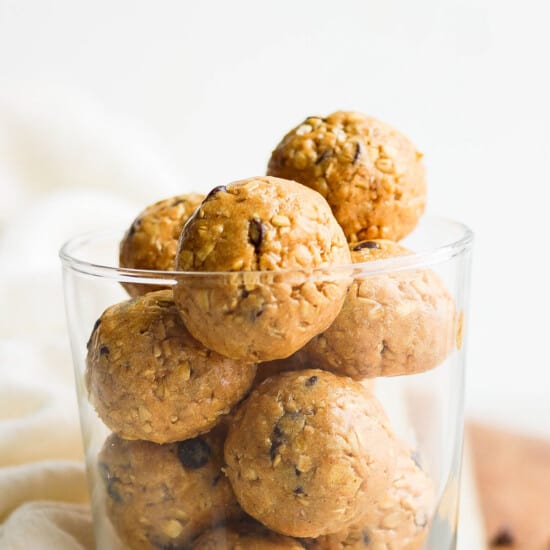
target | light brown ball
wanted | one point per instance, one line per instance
(148, 378)
(152, 239)
(391, 323)
(308, 452)
(162, 496)
(371, 175)
(275, 226)
(399, 521)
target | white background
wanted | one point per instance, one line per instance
(214, 85)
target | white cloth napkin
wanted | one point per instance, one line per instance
(65, 168)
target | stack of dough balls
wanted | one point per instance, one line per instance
(240, 399)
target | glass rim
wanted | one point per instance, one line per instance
(415, 260)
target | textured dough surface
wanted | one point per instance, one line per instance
(390, 324)
(152, 239)
(400, 521)
(245, 536)
(371, 175)
(297, 361)
(149, 379)
(308, 452)
(162, 496)
(271, 368)
(266, 224)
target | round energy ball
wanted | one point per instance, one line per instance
(400, 521)
(149, 379)
(371, 175)
(390, 324)
(308, 452)
(162, 496)
(152, 239)
(267, 236)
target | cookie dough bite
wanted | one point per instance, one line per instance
(152, 239)
(245, 536)
(162, 496)
(390, 324)
(270, 235)
(308, 452)
(148, 378)
(400, 521)
(371, 175)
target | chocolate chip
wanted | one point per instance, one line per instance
(216, 480)
(215, 191)
(112, 491)
(273, 449)
(503, 537)
(104, 350)
(256, 233)
(366, 537)
(311, 381)
(366, 244)
(109, 480)
(259, 312)
(357, 153)
(96, 325)
(297, 472)
(299, 490)
(276, 442)
(134, 227)
(244, 293)
(194, 453)
(324, 155)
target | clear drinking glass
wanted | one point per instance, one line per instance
(135, 500)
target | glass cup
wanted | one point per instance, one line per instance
(382, 397)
